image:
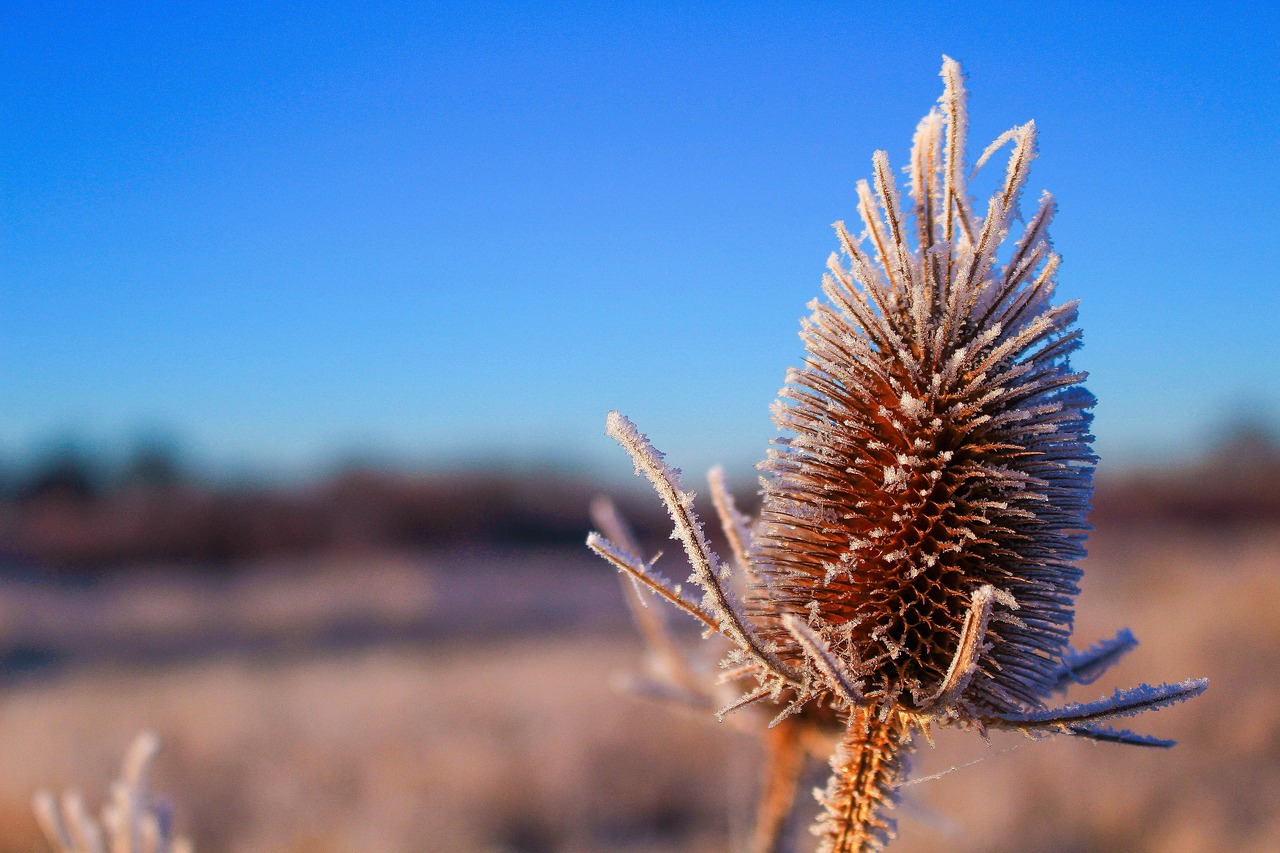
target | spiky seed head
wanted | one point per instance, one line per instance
(937, 440)
(914, 557)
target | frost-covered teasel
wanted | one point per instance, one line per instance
(914, 562)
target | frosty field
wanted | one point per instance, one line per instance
(471, 701)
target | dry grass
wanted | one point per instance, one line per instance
(523, 744)
(395, 750)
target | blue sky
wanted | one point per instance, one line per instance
(437, 234)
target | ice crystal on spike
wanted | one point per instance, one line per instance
(914, 562)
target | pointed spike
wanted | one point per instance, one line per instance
(1123, 703)
(838, 679)
(1085, 667)
(1128, 738)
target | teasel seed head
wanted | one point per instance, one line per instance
(938, 441)
(914, 561)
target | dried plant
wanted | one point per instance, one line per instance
(914, 560)
(133, 821)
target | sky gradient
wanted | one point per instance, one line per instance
(441, 235)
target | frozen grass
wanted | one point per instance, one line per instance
(523, 744)
(132, 819)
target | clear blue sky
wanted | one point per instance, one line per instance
(436, 234)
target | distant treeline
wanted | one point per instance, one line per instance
(65, 517)
(192, 523)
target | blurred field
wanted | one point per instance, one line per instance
(467, 701)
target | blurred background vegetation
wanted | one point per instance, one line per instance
(392, 660)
